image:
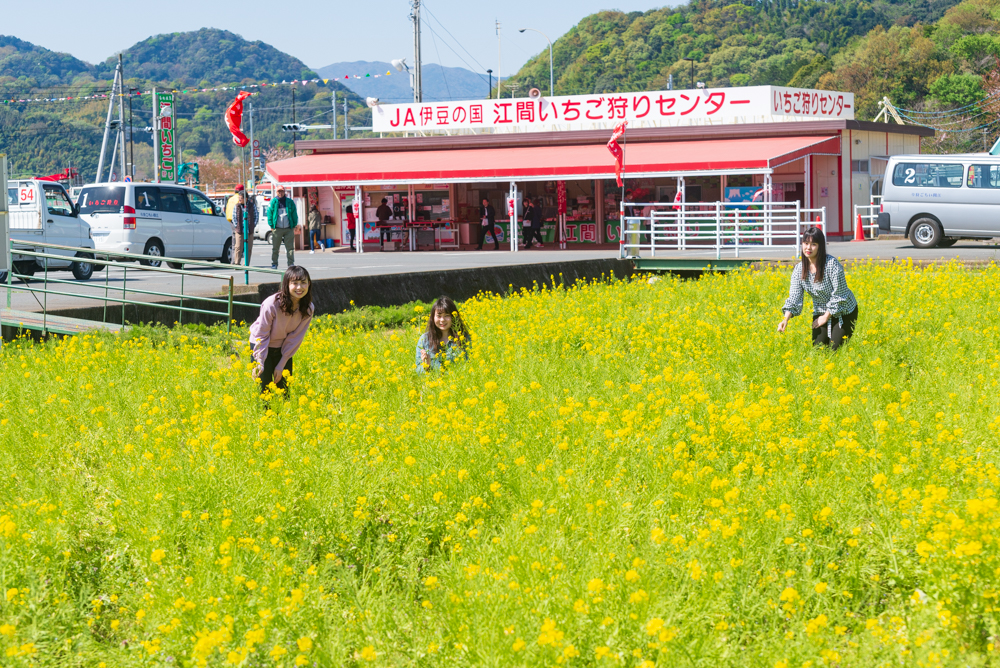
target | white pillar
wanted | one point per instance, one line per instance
(359, 223)
(512, 208)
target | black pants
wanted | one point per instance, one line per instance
(267, 373)
(351, 233)
(482, 236)
(536, 232)
(384, 234)
(822, 335)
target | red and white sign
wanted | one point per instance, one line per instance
(26, 194)
(752, 104)
(561, 197)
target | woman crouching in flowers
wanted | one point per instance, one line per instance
(278, 331)
(446, 338)
(835, 310)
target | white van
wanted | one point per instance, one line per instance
(158, 220)
(41, 211)
(935, 200)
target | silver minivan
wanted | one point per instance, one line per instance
(935, 200)
(158, 220)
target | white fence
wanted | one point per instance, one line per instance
(725, 228)
(868, 214)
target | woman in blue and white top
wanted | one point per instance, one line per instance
(835, 310)
(446, 339)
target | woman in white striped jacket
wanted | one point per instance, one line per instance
(835, 310)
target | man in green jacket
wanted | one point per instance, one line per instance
(282, 218)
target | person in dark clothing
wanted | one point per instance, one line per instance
(384, 213)
(488, 218)
(526, 223)
(534, 230)
(244, 222)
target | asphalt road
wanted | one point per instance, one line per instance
(343, 263)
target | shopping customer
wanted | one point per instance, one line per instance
(535, 229)
(835, 309)
(244, 222)
(384, 213)
(315, 220)
(282, 219)
(349, 216)
(488, 221)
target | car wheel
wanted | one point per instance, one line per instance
(267, 238)
(82, 271)
(227, 252)
(3, 277)
(26, 268)
(175, 265)
(947, 242)
(154, 249)
(925, 233)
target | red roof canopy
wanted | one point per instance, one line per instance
(752, 154)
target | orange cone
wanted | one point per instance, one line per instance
(859, 230)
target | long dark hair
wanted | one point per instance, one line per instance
(815, 235)
(295, 273)
(434, 335)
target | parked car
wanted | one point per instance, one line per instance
(261, 230)
(157, 220)
(935, 200)
(42, 212)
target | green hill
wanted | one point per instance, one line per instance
(26, 65)
(925, 55)
(42, 138)
(205, 57)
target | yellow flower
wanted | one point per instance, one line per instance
(157, 556)
(368, 653)
(305, 643)
(820, 587)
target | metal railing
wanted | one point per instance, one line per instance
(722, 227)
(868, 214)
(115, 295)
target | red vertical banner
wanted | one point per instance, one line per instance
(234, 118)
(617, 151)
(561, 197)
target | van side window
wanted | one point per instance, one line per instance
(928, 175)
(57, 202)
(200, 204)
(147, 198)
(984, 176)
(173, 201)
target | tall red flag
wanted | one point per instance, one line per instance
(617, 151)
(234, 118)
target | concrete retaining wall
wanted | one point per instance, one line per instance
(334, 295)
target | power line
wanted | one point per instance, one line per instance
(436, 19)
(443, 75)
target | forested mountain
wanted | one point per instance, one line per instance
(206, 57)
(925, 55)
(45, 137)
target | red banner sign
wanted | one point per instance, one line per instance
(561, 197)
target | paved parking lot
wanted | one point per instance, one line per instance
(343, 263)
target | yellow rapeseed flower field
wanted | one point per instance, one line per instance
(622, 474)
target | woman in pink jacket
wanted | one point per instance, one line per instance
(280, 328)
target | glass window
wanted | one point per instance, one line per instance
(928, 175)
(173, 201)
(147, 198)
(12, 196)
(102, 199)
(57, 201)
(984, 176)
(200, 204)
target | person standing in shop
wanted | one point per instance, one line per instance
(315, 220)
(534, 231)
(384, 213)
(488, 218)
(350, 221)
(282, 218)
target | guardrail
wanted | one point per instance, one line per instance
(723, 227)
(868, 214)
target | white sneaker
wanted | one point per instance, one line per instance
(312, 252)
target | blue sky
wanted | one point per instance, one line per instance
(318, 33)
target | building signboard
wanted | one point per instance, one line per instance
(704, 106)
(165, 136)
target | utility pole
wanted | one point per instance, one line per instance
(156, 139)
(121, 116)
(253, 158)
(294, 135)
(107, 123)
(499, 61)
(418, 94)
(333, 99)
(345, 117)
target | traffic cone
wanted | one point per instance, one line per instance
(859, 230)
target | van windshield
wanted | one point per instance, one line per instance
(102, 199)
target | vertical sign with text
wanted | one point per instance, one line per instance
(165, 135)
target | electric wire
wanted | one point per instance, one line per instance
(443, 27)
(438, 52)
